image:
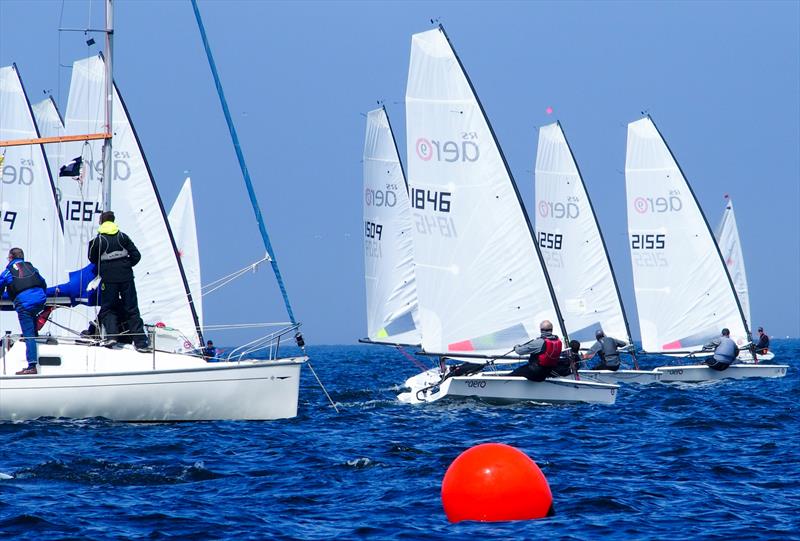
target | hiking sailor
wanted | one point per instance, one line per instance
(115, 254)
(544, 353)
(725, 351)
(607, 348)
(26, 288)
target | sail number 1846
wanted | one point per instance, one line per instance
(438, 201)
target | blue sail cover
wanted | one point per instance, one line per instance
(75, 289)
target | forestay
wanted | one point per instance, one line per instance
(161, 286)
(731, 249)
(392, 312)
(184, 228)
(572, 245)
(50, 124)
(683, 292)
(29, 217)
(481, 282)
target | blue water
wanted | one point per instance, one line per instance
(709, 461)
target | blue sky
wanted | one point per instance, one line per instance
(721, 80)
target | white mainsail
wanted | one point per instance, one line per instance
(50, 124)
(572, 245)
(184, 229)
(683, 292)
(29, 217)
(481, 282)
(161, 286)
(731, 248)
(392, 312)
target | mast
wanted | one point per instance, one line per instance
(514, 185)
(245, 173)
(107, 153)
(710, 232)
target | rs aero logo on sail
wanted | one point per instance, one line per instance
(644, 205)
(463, 149)
(557, 209)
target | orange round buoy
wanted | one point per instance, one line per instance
(494, 482)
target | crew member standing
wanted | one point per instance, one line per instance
(544, 353)
(115, 255)
(26, 288)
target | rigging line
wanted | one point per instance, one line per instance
(411, 358)
(250, 190)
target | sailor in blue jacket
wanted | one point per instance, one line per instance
(26, 288)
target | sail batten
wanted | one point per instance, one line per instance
(684, 294)
(481, 282)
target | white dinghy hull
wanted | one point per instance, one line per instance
(642, 377)
(747, 357)
(698, 373)
(501, 388)
(123, 385)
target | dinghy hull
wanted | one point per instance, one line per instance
(124, 385)
(642, 377)
(500, 388)
(698, 373)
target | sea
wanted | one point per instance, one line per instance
(677, 461)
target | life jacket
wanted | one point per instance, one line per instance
(23, 276)
(552, 351)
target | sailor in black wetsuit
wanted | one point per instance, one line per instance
(115, 255)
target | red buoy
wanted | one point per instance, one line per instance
(494, 482)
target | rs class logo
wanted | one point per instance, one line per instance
(549, 209)
(643, 205)
(464, 150)
(17, 174)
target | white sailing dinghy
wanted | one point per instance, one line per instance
(684, 293)
(77, 377)
(481, 284)
(731, 248)
(575, 253)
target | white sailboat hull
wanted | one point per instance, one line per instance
(642, 377)
(698, 373)
(499, 387)
(122, 384)
(747, 357)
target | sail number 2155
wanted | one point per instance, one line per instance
(648, 241)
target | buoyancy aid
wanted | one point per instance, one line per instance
(552, 351)
(24, 276)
